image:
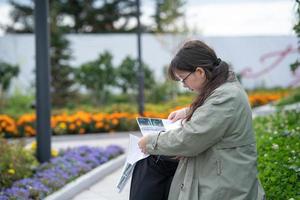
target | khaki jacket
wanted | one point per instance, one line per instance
(218, 145)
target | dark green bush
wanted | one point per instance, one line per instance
(278, 142)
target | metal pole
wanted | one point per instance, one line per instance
(141, 70)
(43, 135)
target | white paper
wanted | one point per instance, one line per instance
(134, 154)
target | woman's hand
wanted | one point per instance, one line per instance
(178, 114)
(179, 157)
(142, 144)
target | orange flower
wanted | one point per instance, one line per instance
(8, 125)
(72, 127)
(81, 131)
(99, 125)
(3, 124)
(114, 121)
(29, 131)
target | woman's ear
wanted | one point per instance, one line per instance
(200, 71)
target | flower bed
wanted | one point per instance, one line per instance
(278, 142)
(77, 123)
(260, 98)
(53, 175)
(82, 122)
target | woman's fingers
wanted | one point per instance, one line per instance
(172, 115)
(142, 144)
(177, 115)
(178, 157)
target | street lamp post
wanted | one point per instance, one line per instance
(43, 135)
(141, 70)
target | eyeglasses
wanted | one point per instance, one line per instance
(184, 79)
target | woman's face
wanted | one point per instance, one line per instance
(194, 81)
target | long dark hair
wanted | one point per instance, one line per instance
(195, 54)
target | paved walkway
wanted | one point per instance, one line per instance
(105, 189)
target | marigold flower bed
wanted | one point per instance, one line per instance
(83, 122)
(78, 123)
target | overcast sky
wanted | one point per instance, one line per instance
(223, 17)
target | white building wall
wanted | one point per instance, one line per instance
(158, 50)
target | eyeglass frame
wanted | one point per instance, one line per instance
(184, 79)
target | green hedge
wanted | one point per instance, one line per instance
(278, 142)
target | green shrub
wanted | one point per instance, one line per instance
(294, 97)
(18, 104)
(15, 162)
(278, 146)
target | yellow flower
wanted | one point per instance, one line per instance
(78, 123)
(11, 171)
(63, 125)
(33, 145)
(54, 153)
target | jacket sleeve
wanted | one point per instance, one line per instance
(206, 128)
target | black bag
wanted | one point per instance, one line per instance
(152, 177)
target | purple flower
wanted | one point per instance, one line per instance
(17, 193)
(3, 197)
(113, 151)
(35, 187)
(54, 174)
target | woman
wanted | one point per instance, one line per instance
(216, 140)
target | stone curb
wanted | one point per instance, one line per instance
(83, 182)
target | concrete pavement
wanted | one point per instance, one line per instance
(105, 189)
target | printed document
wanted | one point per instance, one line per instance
(155, 125)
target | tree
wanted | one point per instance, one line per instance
(7, 72)
(60, 54)
(296, 28)
(94, 16)
(126, 78)
(98, 16)
(22, 18)
(97, 76)
(62, 82)
(166, 14)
